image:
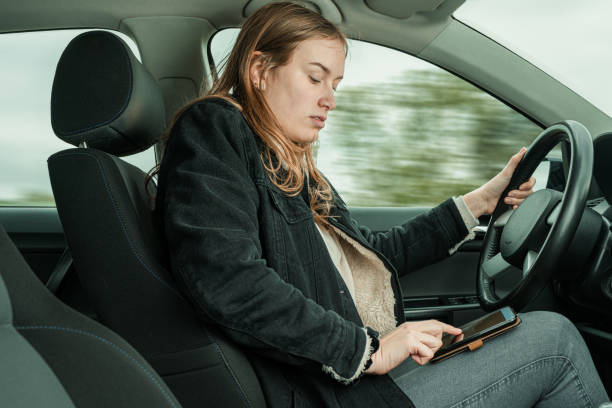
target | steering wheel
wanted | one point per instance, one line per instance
(535, 235)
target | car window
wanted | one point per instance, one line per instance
(27, 139)
(407, 133)
(540, 41)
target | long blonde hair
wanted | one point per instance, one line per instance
(275, 30)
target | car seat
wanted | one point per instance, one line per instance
(105, 101)
(53, 356)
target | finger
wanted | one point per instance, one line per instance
(423, 354)
(513, 201)
(423, 350)
(510, 201)
(528, 185)
(514, 161)
(447, 328)
(520, 193)
(519, 155)
(432, 327)
(429, 340)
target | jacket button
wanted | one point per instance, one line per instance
(342, 292)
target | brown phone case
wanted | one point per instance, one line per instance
(475, 344)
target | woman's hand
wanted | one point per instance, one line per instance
(419, 340)
(484, 199)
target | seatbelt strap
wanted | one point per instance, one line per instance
(59, 273)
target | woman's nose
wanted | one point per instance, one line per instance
(328, 101)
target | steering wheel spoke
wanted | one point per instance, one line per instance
(495, 267)
(554, 214)
(502, 220)
(528, 262)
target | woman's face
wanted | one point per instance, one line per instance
(301, 92)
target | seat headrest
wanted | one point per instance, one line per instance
(6, 310)
(103, 96)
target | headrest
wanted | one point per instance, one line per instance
(103, 96)
(6, 310)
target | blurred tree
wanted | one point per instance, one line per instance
(418, 139)
(29, 199)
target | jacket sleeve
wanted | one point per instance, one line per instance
(420, 241)
(210, 219)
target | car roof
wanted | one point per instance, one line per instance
(357, 17)
(47, 15)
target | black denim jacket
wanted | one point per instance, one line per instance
(254, 264)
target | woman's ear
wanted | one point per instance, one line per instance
(257, 72)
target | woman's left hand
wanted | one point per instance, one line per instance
(484, 199)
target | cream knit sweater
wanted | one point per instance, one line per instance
(367, 278)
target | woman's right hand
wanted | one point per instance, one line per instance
(419, 340)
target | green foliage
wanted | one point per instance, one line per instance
(29, 199)
(418, 139)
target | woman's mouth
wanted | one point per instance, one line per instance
(319, 121)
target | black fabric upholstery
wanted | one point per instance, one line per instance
(122, 265)
(103, 96)
(25, 379)
(6, 311)
(22, 369)
(96, 367)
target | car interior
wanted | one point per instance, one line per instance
(90, 314)
(54, 356)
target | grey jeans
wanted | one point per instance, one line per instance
(543, 362)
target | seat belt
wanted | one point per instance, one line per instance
(59, 273)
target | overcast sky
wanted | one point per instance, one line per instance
(569, 39)
(27, 66)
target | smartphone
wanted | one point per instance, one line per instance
(490, 324)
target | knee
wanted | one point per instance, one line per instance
(552, 328)
(548, 321)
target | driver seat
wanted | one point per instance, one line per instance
(103, 98)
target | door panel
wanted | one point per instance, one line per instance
(445, 290)
(37, 233)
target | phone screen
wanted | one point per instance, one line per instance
(478, 328)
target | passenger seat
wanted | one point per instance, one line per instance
(55, 357)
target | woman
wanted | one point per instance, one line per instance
(266, 249)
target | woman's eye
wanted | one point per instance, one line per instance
(315, 80)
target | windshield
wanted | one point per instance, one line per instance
(567, 39)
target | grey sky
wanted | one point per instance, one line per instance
(27, 66)
(568, 39)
